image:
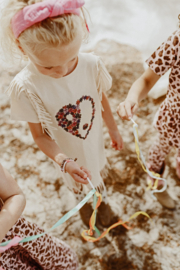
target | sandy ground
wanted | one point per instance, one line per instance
(148, 246)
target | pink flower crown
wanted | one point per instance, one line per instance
(38, 12)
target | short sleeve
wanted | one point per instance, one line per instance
(21, 108)
(103, 80)
(165, 56)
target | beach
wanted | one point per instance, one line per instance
(124, 34)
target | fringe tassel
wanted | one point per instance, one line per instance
(15, 88)
(43, 115)
(1, 204)
(102, 190)
(104, 80)
(105, 171)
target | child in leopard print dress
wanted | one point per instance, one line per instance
(167, 119)
(44, 253)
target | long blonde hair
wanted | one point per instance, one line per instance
(49, 33)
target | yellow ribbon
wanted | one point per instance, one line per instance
(142, 161)
(150, 186)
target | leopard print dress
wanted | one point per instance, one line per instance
(44, 253)
(167, 119)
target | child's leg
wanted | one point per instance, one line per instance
(44, 253)
(87, 210)
(158, 153)
(105, 214)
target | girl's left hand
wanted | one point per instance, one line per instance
(116, 140)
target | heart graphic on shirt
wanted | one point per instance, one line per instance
(74, 112)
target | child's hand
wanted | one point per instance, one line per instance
(79, 174)
(116, 140)
(127, 108)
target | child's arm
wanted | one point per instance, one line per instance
(164, 58)
(52, 150)
(14, 202)
(108, 118)
(138, 91)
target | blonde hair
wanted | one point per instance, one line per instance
(51, 32)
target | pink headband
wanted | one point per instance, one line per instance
(38, 12)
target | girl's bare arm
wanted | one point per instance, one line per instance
(107, 114)
(137, 92)
(14, 202)
(53, 151)
(116, 139)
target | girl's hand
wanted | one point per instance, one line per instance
(116, 140)
(127, 108)
(79, 174)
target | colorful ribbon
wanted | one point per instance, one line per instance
(10, 243)
(15, 241)
(145, 168)
(88, 234)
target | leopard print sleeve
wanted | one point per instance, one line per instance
(166, 55)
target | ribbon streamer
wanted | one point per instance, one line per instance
(88, 234)
(10, 243)
(142, 161)
(15, 241)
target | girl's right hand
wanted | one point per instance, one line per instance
(79, 174)
(127, 109)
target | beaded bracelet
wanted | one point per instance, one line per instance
(65, 161)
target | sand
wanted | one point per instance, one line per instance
(148, 246)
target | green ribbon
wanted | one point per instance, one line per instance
(61, 221)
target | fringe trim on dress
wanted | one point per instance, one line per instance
(104, 79)
(1, 205)
(15, 88)
(105, 171)
(43, 116)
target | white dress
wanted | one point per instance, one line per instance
(69, 109)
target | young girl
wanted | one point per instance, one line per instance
(44, 253)
(168, 116)
(60, 93)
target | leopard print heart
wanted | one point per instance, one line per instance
(72, 126)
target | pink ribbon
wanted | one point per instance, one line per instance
(14, 242)
(38, 12)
